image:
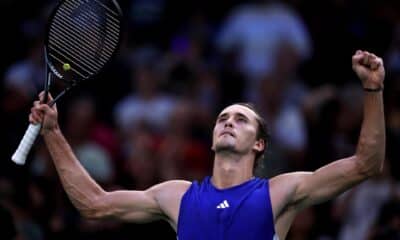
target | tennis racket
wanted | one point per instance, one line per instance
(81, 38)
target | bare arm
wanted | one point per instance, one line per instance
(158, 202)
(82, 190)
(88, 197)
(307, 188)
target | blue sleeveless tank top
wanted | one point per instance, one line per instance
(241, 212)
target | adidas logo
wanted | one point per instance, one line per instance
(224, 204)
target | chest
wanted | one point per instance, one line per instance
(242, 215)
(225, 209)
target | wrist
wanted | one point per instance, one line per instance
(378, 89)
(373, 87)
(50, 131)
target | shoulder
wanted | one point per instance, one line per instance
(168, 195)
(172, 186)
(172, 190)
(177, 183)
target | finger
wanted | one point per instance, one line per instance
(49, 97)
(37, 106)
(34, 118)
(36, 103)
(370, 59)
(54, 107)
(38, 116)
(375, 62)
(31, 119)
(37, 112)
(365, 60)
(41, 96)
(374, 65)
(359, 55)
(359, 52)
(356, 59)
(380, 61)
(46, 108)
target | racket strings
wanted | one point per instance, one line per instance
(64, 46)
(84, 34)
(92, 12)
(91, 33)
(89, 41)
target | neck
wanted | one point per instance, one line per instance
(231, 169)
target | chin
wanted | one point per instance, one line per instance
(224, 146)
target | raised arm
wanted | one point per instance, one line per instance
(159, 202)
(307, 188)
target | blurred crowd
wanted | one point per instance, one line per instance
(148, 116)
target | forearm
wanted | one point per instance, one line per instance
(82, 190)
(371, 144)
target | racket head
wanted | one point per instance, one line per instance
(82, 36)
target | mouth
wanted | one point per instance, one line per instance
(227, 133)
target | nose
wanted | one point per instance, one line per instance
(228, 122)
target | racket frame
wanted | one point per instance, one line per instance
(20, 155)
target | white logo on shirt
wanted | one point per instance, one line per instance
(224, 204)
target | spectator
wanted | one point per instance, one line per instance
(257, 32)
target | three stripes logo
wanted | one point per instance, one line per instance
(222, 205)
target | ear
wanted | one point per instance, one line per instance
(259, 145)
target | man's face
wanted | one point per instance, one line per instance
(236, 130)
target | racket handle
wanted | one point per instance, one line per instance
(19, 157)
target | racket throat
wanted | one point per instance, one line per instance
(62, 93)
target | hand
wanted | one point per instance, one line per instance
(44, 114)
(369, 68)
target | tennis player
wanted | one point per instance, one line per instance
(232, 203)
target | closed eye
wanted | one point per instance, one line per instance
(221, 120)
(242, 118)
(222, 117)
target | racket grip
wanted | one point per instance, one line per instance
(19, 157)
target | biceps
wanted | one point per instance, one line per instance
(328, 182)
(133, 206)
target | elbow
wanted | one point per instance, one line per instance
(371, 166)
(89, 214)
(92, 213)
(370, 157)
(372, 172)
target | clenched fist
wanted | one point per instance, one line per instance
(44, 114)
(369, 68)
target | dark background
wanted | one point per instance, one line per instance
(175, 75)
